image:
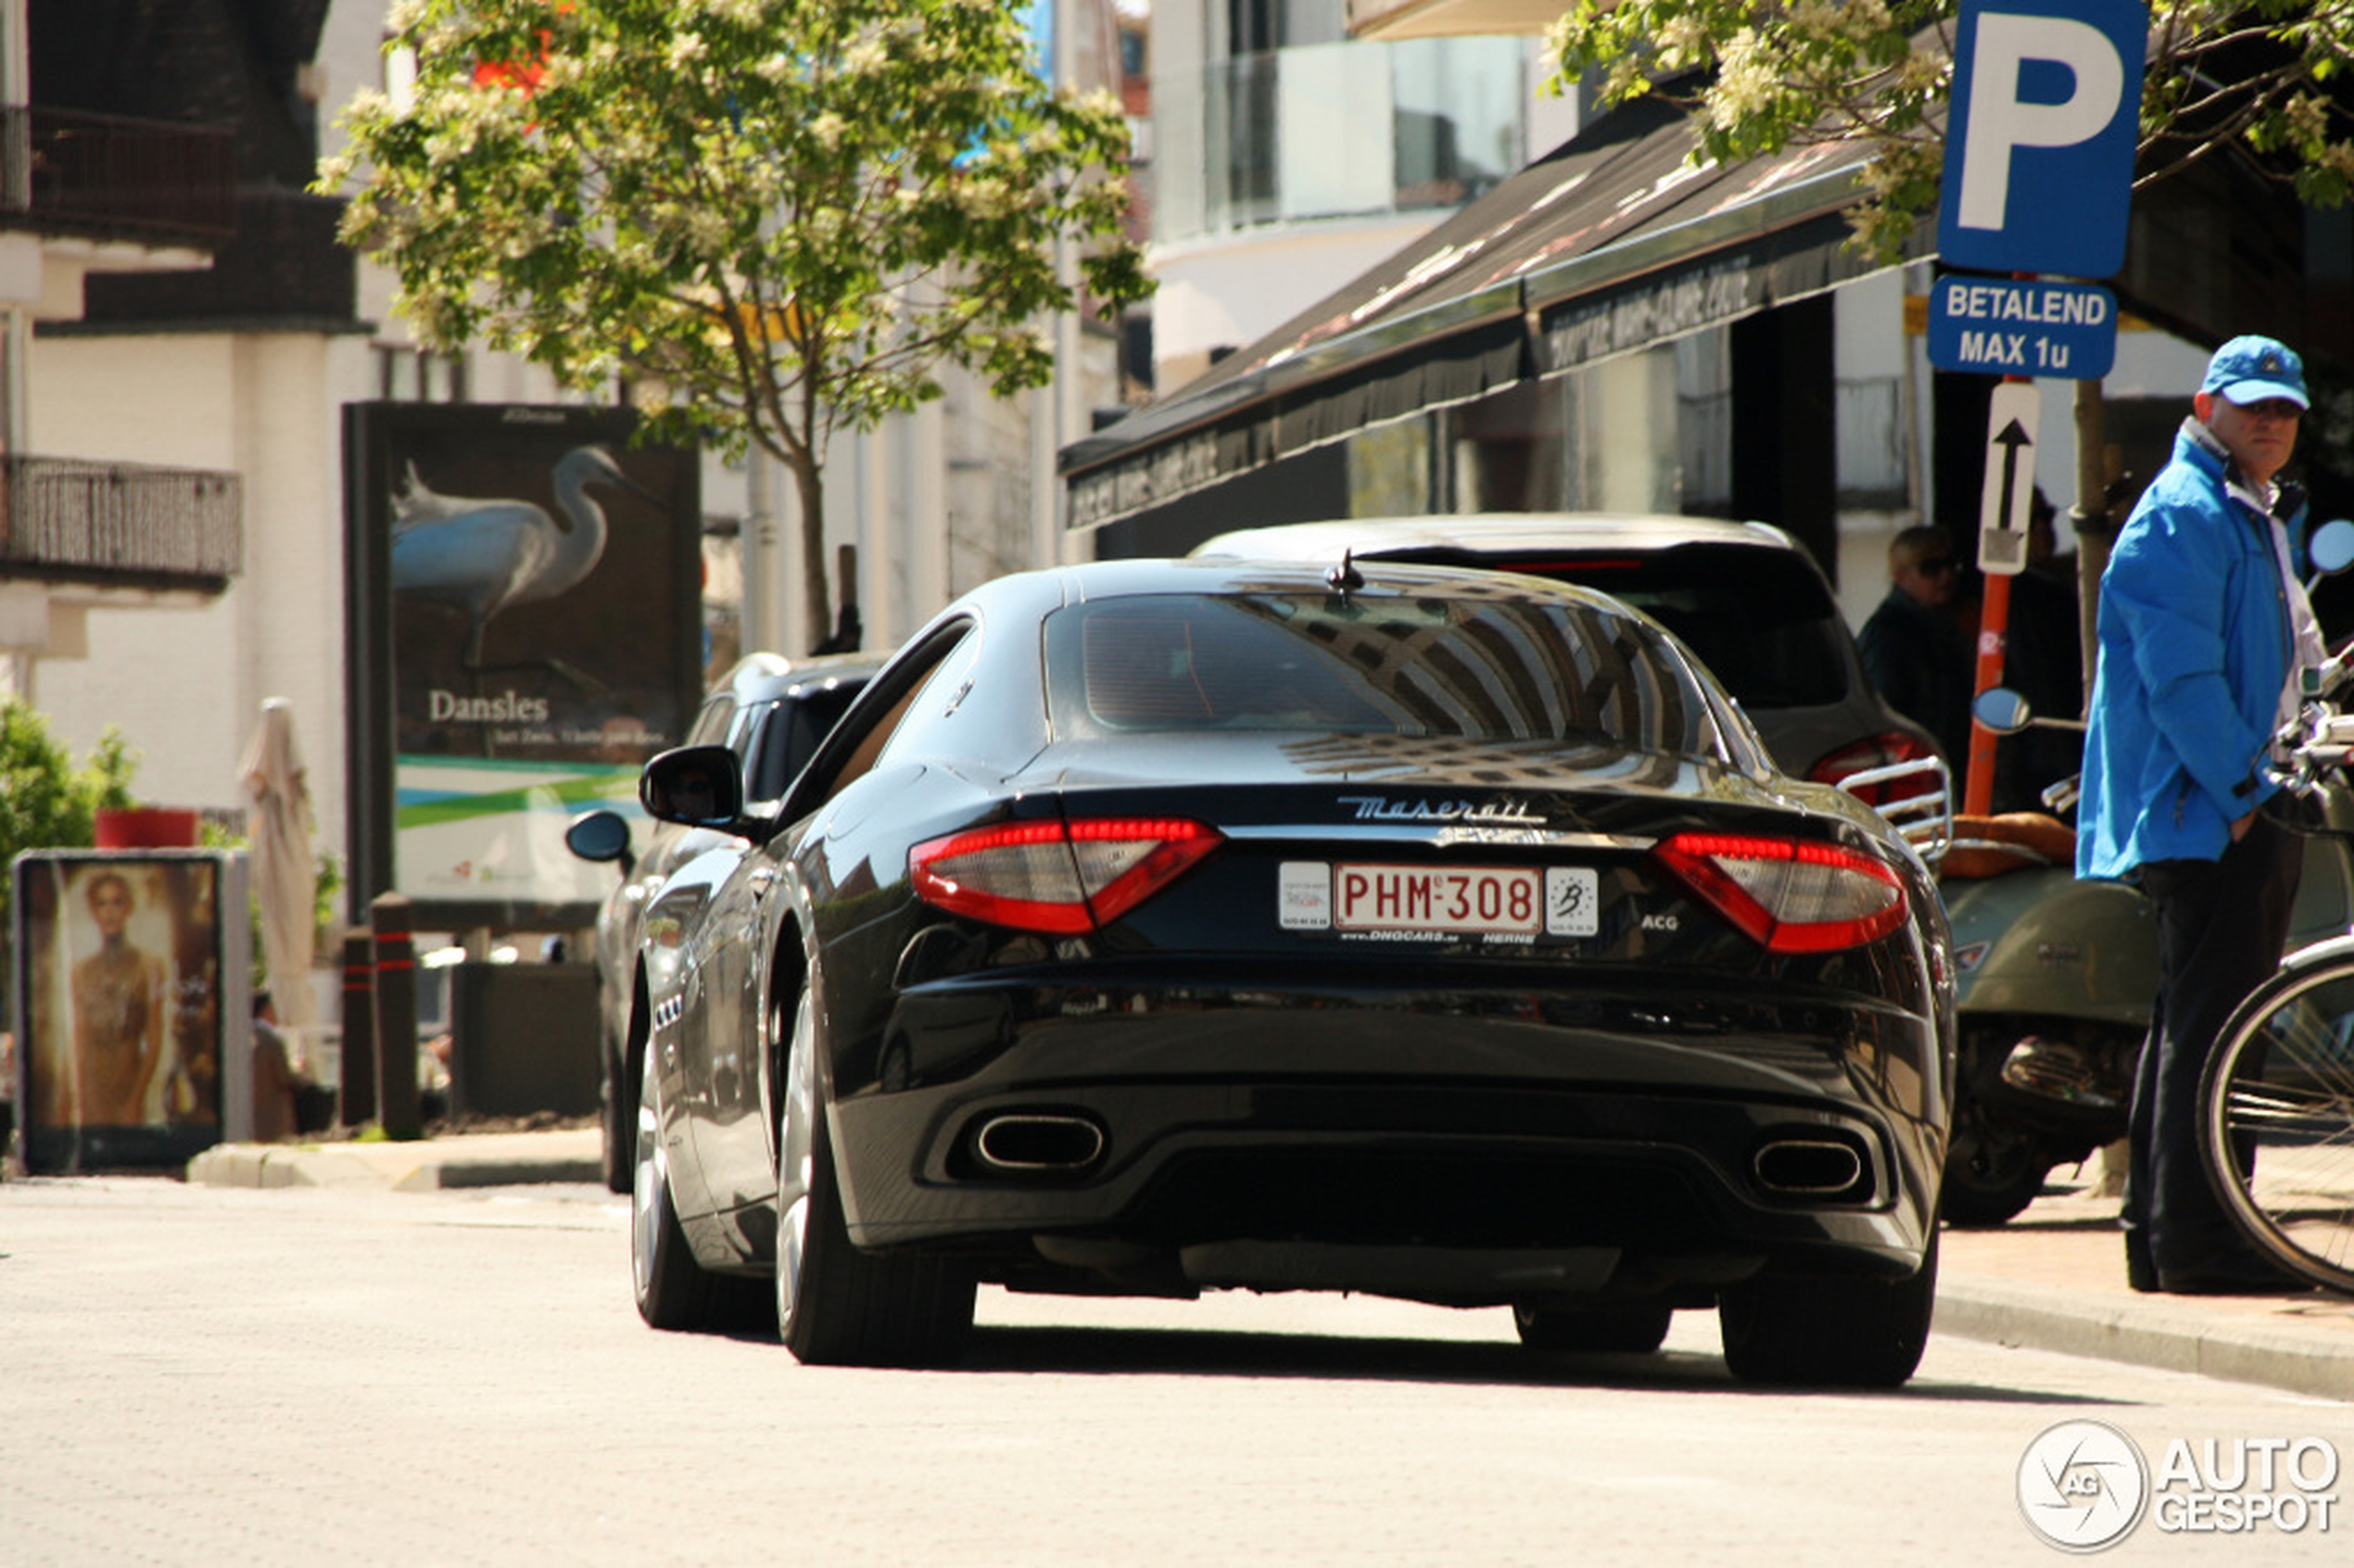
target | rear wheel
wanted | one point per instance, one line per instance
(1627, 1330)
(2277, 1122)
(673, 1290)
(1835, 1331)
(837, 1305)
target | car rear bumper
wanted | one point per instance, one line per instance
(1335, 1139)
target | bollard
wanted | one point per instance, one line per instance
(358, 1076)
(395, 1017)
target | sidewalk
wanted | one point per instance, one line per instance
(2054, 1278)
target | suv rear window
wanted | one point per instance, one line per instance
(1759, 619)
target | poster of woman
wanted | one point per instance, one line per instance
(119, 967)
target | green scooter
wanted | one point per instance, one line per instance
(2054, 981)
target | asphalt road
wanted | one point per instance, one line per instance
(201, 1376)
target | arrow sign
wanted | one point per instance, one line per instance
(2011, 477)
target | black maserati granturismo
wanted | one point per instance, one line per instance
(1165, 926)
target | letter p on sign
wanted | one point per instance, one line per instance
(2039, 145)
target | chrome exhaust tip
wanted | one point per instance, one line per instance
(1029, 1142)
(1809, 1167)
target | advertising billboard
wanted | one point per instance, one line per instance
(131, 980)
(525, 630)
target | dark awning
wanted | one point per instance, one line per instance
(1612, 244)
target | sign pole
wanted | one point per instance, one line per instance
(2012, 416)
(1993, 637)
(2032, 183)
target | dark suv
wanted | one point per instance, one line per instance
(771, 712)
(1743, 597)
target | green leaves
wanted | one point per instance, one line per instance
(45, 801)
(1758, 77)
(790, 215)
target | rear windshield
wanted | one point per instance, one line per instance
(1759, 619)
(1488, 666)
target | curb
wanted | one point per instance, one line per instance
(425, 1165)
(2316, 1362)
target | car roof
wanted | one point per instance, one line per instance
(1503, 533)
(1221, 574)
(764, 676)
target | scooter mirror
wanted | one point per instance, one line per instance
(2001, 710)
(2331, 549)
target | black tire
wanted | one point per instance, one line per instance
(673, 1290)
(619, 1118)
(837, 1305)
(1828, 1331)
(2276, 1120)
(1636, 1330)
(1991, 1173)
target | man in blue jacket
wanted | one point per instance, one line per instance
(2203, 629)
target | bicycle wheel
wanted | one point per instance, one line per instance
(2276, 1116)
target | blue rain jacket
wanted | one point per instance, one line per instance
(2196, 644)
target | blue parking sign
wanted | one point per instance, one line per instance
(2039, 145)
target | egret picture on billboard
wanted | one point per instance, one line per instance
(532, 635)
(119, 969)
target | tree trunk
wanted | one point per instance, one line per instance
(809, 483)
(2096, 469)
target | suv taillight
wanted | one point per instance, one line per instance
(1878, 750)
(1061, 877)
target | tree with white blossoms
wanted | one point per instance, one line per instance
(774, 220)
(1756, 76)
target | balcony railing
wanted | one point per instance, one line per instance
(121, 524)
(65, 171)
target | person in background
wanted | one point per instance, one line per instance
(1913, 649)
(2203, 629)
(2044, 661)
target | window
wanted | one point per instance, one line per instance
(1478, 663)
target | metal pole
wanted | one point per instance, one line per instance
(1994, 635)
(357, 1076)
(396, 1009)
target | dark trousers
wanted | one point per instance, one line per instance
(2221, 925)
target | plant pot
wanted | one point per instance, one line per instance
(119, 827)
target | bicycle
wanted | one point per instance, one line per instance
(2276, 1099)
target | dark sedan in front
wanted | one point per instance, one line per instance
(1155, 928)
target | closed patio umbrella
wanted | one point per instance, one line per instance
(279, 823)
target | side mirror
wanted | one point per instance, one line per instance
(694, 786)
(2001, 710)
(2331, 547)
(599, 836)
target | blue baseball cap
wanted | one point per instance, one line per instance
(2248, 369)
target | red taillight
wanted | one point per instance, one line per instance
(1878, 750)
(1057, 876)
(1789, 895)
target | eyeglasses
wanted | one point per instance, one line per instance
(2270, 408)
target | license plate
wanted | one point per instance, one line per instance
(1499, 900)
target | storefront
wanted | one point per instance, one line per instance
(1614, 328)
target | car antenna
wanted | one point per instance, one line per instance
(1345, 576)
